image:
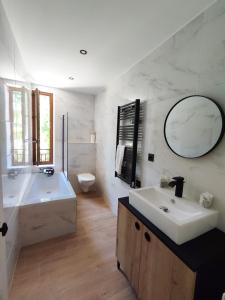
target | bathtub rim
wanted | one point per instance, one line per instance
(51, 201)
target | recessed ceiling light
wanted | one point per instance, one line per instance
(71, 78)
(83, 51)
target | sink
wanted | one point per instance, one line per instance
(180, 219)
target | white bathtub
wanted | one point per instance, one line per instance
(44, 189)
(48, 209)
(13, 189)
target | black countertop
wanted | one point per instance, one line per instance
(208, 248)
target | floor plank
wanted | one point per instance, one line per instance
(75, 267)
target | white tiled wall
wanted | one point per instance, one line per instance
(11, 67)
(82, 159)
(80, 108)
(81, 125)
(191, 62)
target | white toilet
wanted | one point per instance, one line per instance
(86, 180)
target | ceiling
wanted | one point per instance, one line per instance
(116, 34)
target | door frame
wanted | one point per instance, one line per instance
(3, 270)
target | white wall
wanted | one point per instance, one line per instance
(81, 125)
(12, 67)
(80, 108)
(191, 62)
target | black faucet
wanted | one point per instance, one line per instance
(179, 183)
(49, 171)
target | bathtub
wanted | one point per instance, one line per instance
(48, 208)
(44, 189)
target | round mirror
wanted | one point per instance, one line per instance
(194, 126)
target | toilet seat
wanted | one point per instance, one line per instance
(86, 177)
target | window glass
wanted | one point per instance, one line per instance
(42, 116)
(44, 104)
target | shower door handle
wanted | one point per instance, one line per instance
(4, 229)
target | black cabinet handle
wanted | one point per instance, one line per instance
(147, 237)
(4, 229)
(137, 225)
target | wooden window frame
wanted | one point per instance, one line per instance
(36, 130)
(12, 89)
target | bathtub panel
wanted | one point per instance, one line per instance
(12, 237)
(40, 222)
(12, 246)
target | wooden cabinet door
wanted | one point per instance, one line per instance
(129, 238)
(183, 281)
(155, 269)
(163, 276)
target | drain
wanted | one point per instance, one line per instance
(48, 192)
(11, 196)
(164, 208)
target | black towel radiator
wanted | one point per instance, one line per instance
(129, 133)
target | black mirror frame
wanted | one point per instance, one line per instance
(222, 130)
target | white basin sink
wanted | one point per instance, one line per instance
(179, 218)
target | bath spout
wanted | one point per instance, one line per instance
(48, 171)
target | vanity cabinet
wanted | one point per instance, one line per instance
(152, 269)
(158, 269)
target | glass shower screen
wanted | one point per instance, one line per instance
(65, 144)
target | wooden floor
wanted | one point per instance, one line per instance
(79, 267)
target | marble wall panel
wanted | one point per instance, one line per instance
(190, 62)
(40, 222)
(12, 72)
(82, 159)
(80, 109)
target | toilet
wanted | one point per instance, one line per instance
(86, 180)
